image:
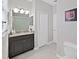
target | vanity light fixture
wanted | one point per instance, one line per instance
(27, 12)
(16, 10)
(21, 11)
(29, 0)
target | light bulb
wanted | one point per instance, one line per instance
(27, 12)
(16, 10)
(21, 11)
(29, 0)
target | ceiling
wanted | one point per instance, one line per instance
(26, 3)
(51, 2)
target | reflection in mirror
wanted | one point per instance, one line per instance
(20, 22)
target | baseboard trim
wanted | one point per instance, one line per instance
(61, 57)
(50, 42)
(69, 44)
(36, 48)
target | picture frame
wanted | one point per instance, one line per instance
(71, 15)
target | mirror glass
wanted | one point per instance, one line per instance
(20, 16)
(20, 21)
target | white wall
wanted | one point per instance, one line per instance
(70, 28)
(65, 31)
(20, 4)
(59, 27)
(43, 7)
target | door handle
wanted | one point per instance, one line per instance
(4, 22)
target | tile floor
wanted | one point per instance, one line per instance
(45, 52)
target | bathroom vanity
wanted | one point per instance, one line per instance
(20, 43)
(21, 38)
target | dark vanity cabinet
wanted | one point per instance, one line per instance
(20, 44)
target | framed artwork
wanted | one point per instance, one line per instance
(71, 15)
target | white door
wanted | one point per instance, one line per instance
(4, 29)
(43, 29)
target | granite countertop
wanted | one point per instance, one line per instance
(19, 34)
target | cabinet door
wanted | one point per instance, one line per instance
(18, 45)
(11, 47)
(15, 46)
(29, 42)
